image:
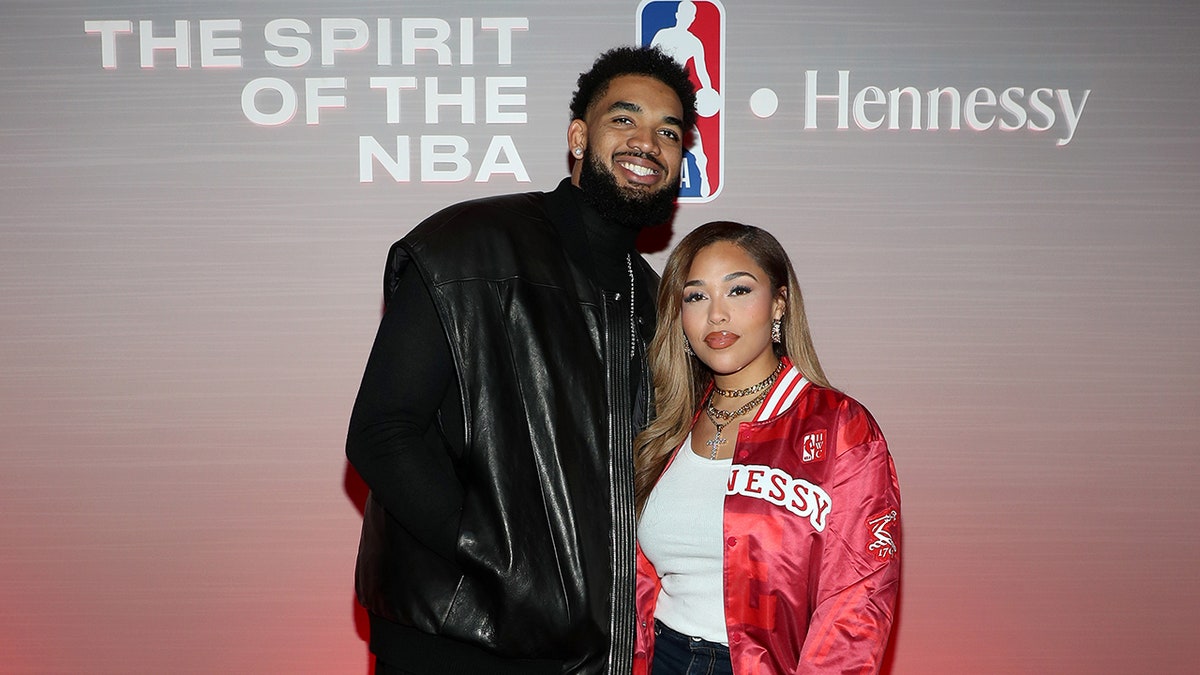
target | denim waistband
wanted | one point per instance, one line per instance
(662, 630)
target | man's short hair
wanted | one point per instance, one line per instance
(648, 61)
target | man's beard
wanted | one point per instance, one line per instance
(626, 207)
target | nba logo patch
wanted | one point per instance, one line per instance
(813, 446)
(694, 34)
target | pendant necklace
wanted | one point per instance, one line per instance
(722, 418)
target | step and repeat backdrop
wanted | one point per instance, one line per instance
(992, 208)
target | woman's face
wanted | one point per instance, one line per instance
(727, 311)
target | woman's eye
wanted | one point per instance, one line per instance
(693, 297)
(739, 290)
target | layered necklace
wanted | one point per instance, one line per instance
(722, 418)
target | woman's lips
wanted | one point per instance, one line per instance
(720, 339)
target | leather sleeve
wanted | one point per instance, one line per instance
(397, 441)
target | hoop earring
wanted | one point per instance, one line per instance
(776, 331)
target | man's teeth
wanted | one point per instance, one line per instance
(639, 169)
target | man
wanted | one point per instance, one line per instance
(495, 420)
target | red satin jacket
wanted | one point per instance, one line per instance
(812, 533)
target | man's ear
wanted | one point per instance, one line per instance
(576, 137)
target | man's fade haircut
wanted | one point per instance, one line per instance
(648, 61)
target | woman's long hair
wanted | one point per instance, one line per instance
(680, 380)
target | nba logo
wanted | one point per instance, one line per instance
(694, 34)
(813, 445)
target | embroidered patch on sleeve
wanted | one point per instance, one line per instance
(813, 446)
(881, 526)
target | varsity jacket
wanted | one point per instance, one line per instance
(543, 564)
(811, 539)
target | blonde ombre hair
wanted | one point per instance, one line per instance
(680, 380)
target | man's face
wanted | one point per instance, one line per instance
(632, 139)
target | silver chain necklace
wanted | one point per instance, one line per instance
(633, 331)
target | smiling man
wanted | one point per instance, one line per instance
(630, 138)
(495, 420)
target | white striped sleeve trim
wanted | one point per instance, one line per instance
(784, 395)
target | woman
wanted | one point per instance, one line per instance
(767, 501)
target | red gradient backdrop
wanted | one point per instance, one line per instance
(188, 297)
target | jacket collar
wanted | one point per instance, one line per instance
(783, 393)
(780, 399)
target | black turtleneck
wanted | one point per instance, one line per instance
(608, 247)
(605, 251)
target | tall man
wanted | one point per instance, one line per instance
(495, 420)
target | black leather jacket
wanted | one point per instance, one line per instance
(543, 564)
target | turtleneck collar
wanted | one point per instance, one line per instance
(597, 245)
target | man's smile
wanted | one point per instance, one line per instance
(640, 169)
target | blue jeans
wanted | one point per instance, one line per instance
(678, 654)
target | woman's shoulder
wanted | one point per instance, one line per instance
(836, 413)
